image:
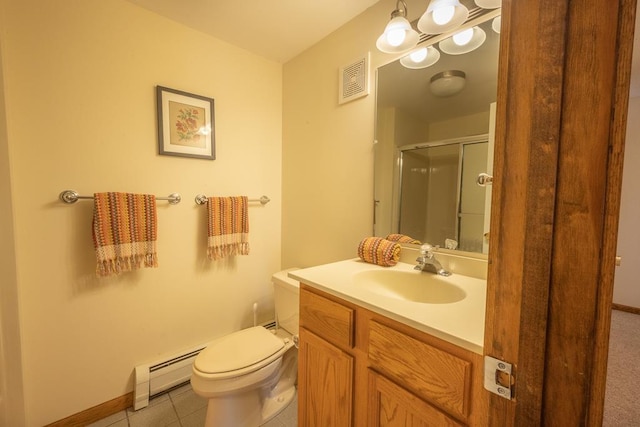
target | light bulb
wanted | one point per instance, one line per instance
(443, 15)
(419, 55)
(421, 58)
(464, 41)
(463, 37)
(497, 21)
(396, 37)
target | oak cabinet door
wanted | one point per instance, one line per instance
(392, 406)
(325, 383)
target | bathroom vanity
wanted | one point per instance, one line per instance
(372, 354)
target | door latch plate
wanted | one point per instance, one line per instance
(498, 378)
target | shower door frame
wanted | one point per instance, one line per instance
(397, 199)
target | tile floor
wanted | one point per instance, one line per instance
(182, 408)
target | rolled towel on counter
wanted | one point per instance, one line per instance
(379, 251)
(402, 238)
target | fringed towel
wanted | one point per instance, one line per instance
(376, 250)
(402, 238)
(124, 232)
(228, 227)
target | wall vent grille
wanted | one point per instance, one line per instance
(354, 80)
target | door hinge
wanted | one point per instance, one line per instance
(498, 378)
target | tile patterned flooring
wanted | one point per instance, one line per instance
(182, 408)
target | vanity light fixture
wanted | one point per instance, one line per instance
(398, 36)
(442, 16)
(496, 23)
(421, 58)
(463, 41)
(447, 83)
(489, 4)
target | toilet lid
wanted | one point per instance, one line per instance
(238, 350)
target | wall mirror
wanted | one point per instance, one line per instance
(434, 136)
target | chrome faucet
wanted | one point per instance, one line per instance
(428, 262)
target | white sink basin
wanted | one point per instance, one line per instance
(415, 286)
(450, 308)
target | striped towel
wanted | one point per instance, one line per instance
(402, 238)
(124, 232)
(376, 250)
(228, 227)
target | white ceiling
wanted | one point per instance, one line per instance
(275, 29)
(281, 29)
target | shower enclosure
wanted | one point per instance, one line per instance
(439, 200)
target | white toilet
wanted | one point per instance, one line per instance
(250, 376)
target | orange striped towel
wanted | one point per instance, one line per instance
(124, 232)
(402, 238)
(376, 250)
(228, 227)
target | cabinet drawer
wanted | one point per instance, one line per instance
(330, 320)
(435, 375)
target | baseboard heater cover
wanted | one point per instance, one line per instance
(152, 379)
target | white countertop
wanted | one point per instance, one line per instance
(460, 323)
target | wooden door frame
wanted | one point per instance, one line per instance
(562, 103)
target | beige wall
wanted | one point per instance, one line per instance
(385, 174)
(328, 147)
(473, 124)
(79, 79)
(11, 389)
(80, 113)
(626, 290)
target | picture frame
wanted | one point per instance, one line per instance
(186, 125)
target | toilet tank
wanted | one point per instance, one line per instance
(286, 294)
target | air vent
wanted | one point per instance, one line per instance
(354, 80)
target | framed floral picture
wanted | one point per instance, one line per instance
(185, 124)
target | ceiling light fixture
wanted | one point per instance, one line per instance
(442, 16)
(496, 24)
(421, 58)
(398, 36)
(463, 41)
(447, 83)
(489, 4)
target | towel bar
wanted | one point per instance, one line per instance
(201, 199)
(71, 196)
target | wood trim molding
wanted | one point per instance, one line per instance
(528, 128)
(96, 413)
(584, 201)
(625, 308)
(563, 74)
(618, 128)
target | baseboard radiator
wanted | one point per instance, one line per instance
(155, 378)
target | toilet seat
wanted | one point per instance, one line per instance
(239, 353)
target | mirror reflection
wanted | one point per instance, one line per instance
(434, 136)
